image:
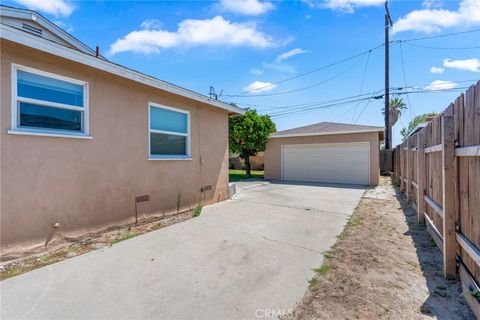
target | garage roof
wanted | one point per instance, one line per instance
(327, 128)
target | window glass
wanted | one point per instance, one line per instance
(168, 120)
(34, 86)
(166, 144)
(36, 116)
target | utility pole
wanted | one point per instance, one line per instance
(388, 131)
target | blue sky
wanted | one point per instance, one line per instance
(244, 47)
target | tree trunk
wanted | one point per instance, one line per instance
(393, 117)
(247, 166)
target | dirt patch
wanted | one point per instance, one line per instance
(16, 263)
(384, 266)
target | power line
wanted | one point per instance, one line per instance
(310, 71)
(405, 81)
(364, 107)
(432, 91)
(438, 36)
(363, 81)
(299, 89)
(326, 106)
(343, 113)
(329, 104)
(440, 48)
(428, 84)
(355, 98)
(314, 103)
(372, 97)
(306, 104)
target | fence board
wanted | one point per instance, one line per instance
(435, 206)
(448, 188)
(470, 218)
(435, 148)
(421, 177)
(472, 151)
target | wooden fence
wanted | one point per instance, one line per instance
(438, 168)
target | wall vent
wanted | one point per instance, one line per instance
(32, 29)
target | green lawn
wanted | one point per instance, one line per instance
(236, 175)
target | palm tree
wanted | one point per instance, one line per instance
(396, 107)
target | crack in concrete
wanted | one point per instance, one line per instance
(259, 235)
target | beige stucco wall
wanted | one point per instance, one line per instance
(273, 152)
(87, 185)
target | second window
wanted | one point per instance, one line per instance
(169, 135)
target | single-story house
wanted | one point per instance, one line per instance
(325, 152)
(83, 139)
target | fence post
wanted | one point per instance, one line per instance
(421, 176)
(396, 165)
(448, 184)
(402, 168)
(408, 170)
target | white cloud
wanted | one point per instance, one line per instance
(467, 64)
(429, 4)
(437, 70)
(347, 6)
(441, 85)
(433, 19)
(278, 64)
(280, 67)
(286, 55)
(259, 86)
(58, 8)
(190, 32)
(151, 24)
(256, 71)
(247, 7)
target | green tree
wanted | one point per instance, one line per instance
(415, 122)
(397, 106)
(248, 135)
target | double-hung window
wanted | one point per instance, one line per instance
(45, 103)
(169, 133)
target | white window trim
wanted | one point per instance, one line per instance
(15, 129)
(188, 155)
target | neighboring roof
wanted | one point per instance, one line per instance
(326, 128)
(17, 35)
(422, 125)
(419, 127)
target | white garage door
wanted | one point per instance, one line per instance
(327, 162)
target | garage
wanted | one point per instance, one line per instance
(325, 152)
(327, 162)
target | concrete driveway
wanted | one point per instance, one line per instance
(244, 258)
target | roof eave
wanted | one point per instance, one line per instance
(381, 130)
(23, 38)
